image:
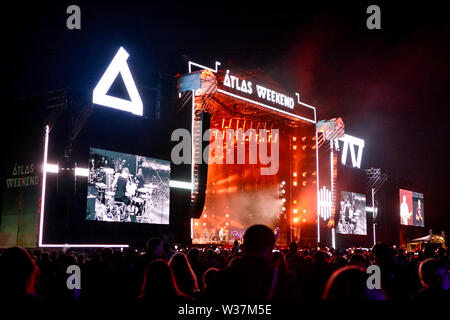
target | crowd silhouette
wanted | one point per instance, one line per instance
(252, 271)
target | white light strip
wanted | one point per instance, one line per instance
(192, 228)
(190, 63)
(265, 106)
(41, 218)
(369, 209)
(51, 168)
(352, 140)
(82, 172)
(373, 215)
(317, 186)
(333, 238)
(180, 184)
(70, 245)
(192, 140)
(44, 182)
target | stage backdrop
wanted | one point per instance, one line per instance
(20, 205)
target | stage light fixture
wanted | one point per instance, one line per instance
(294, 138)
(196, 223)
(304, 220)
(204, 216)
(294, 183)
(295, 219)
(294, 174)
(51, 168)
(82, 172)
(304, 210)
(294, 147)
(204, 224)
(227, 215)
(295, 201)
(295, 211)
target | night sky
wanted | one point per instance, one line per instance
(391, 86)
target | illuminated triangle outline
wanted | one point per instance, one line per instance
(118, 65)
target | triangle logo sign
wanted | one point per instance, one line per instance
(118, 65)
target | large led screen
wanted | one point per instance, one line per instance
(411, 208)
(351, 218)
(127, 188)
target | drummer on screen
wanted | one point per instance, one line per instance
(121, 181)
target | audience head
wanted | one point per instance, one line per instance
(433, 274)
(159, 282)
(382, 253)
(358, 260)
(193, 255)
(155, 247)
(320, 257)
(259, 241)
(428, 251)
(106, 254)
(184, 276)
(18, 273)
(293, 247)
(347, 284)
(208, 277)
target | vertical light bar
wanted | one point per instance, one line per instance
(44, 181)
(317, 184)
(192, 228)
(333, 239)
(192, 142)
(373, 215)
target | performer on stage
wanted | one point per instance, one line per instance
(404, 211)
(419, 217)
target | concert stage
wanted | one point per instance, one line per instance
(238, 194)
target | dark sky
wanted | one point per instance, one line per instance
(391, 86)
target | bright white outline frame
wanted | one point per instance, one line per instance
(118, 65)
